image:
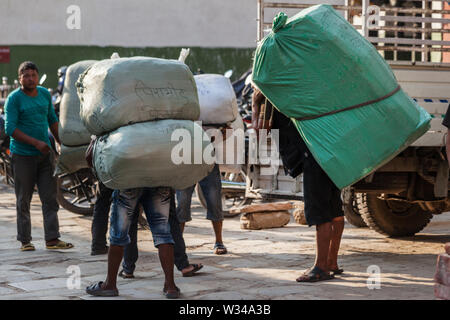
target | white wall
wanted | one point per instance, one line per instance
(130, 23)
(136, 23)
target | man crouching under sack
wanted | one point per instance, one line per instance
(323, 205)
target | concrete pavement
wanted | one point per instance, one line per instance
(260, 265)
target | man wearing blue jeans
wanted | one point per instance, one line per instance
(131, 254)
(156, 204)
(100, 227)
(211, 187)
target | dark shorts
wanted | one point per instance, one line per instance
(322, 198)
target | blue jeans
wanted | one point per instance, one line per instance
(156, 204)
(131, 255)
(211, 187)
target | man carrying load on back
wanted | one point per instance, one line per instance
(156, 204)
(125, 210)
(323, 205)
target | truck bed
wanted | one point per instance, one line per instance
(430, 87)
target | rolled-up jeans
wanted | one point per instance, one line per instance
(211, 187)
(156, 204)
(131, 254)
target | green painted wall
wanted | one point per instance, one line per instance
(50, 58)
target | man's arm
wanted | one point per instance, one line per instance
(38, 144)
(257, 99)
(55, 132)
(52, 118)
(446, 122)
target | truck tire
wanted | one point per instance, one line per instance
(393, 218)
(351, 211)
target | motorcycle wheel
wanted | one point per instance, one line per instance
(76, 192)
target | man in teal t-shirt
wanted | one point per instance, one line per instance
(29, 114)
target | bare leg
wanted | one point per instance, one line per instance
(182, 226)
(323, 238)
(217, 226)
(336, 235)
(166, 258)
(115, 255)
(219, 247)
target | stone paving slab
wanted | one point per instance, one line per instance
(261, 264)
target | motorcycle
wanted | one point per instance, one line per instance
(244, 91)
(57, 93)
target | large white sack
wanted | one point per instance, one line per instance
(217, 99)
(119, 92)
(71, 159)
(140, 155)
(72, 131)
(229, 148)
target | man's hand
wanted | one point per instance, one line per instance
(38, 144)
(42, 147)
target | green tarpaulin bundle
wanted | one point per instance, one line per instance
(342, 95)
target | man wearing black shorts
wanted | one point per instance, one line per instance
(323, 205)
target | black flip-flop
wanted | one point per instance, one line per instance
(337, 271)
(314, 275)
(96, 290)
(172, 295)
(220, 246)
(193, 271)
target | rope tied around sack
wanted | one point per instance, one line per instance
(352, 107)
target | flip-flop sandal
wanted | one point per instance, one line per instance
(337, 271)
(96, 290)
(172, 295)
(60, 245)
(27, 247)
(314, 275)
(194, 270)
(219, 248)
(125, 275)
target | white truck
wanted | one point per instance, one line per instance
(400, 198)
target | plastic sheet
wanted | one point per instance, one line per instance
(316, 63)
